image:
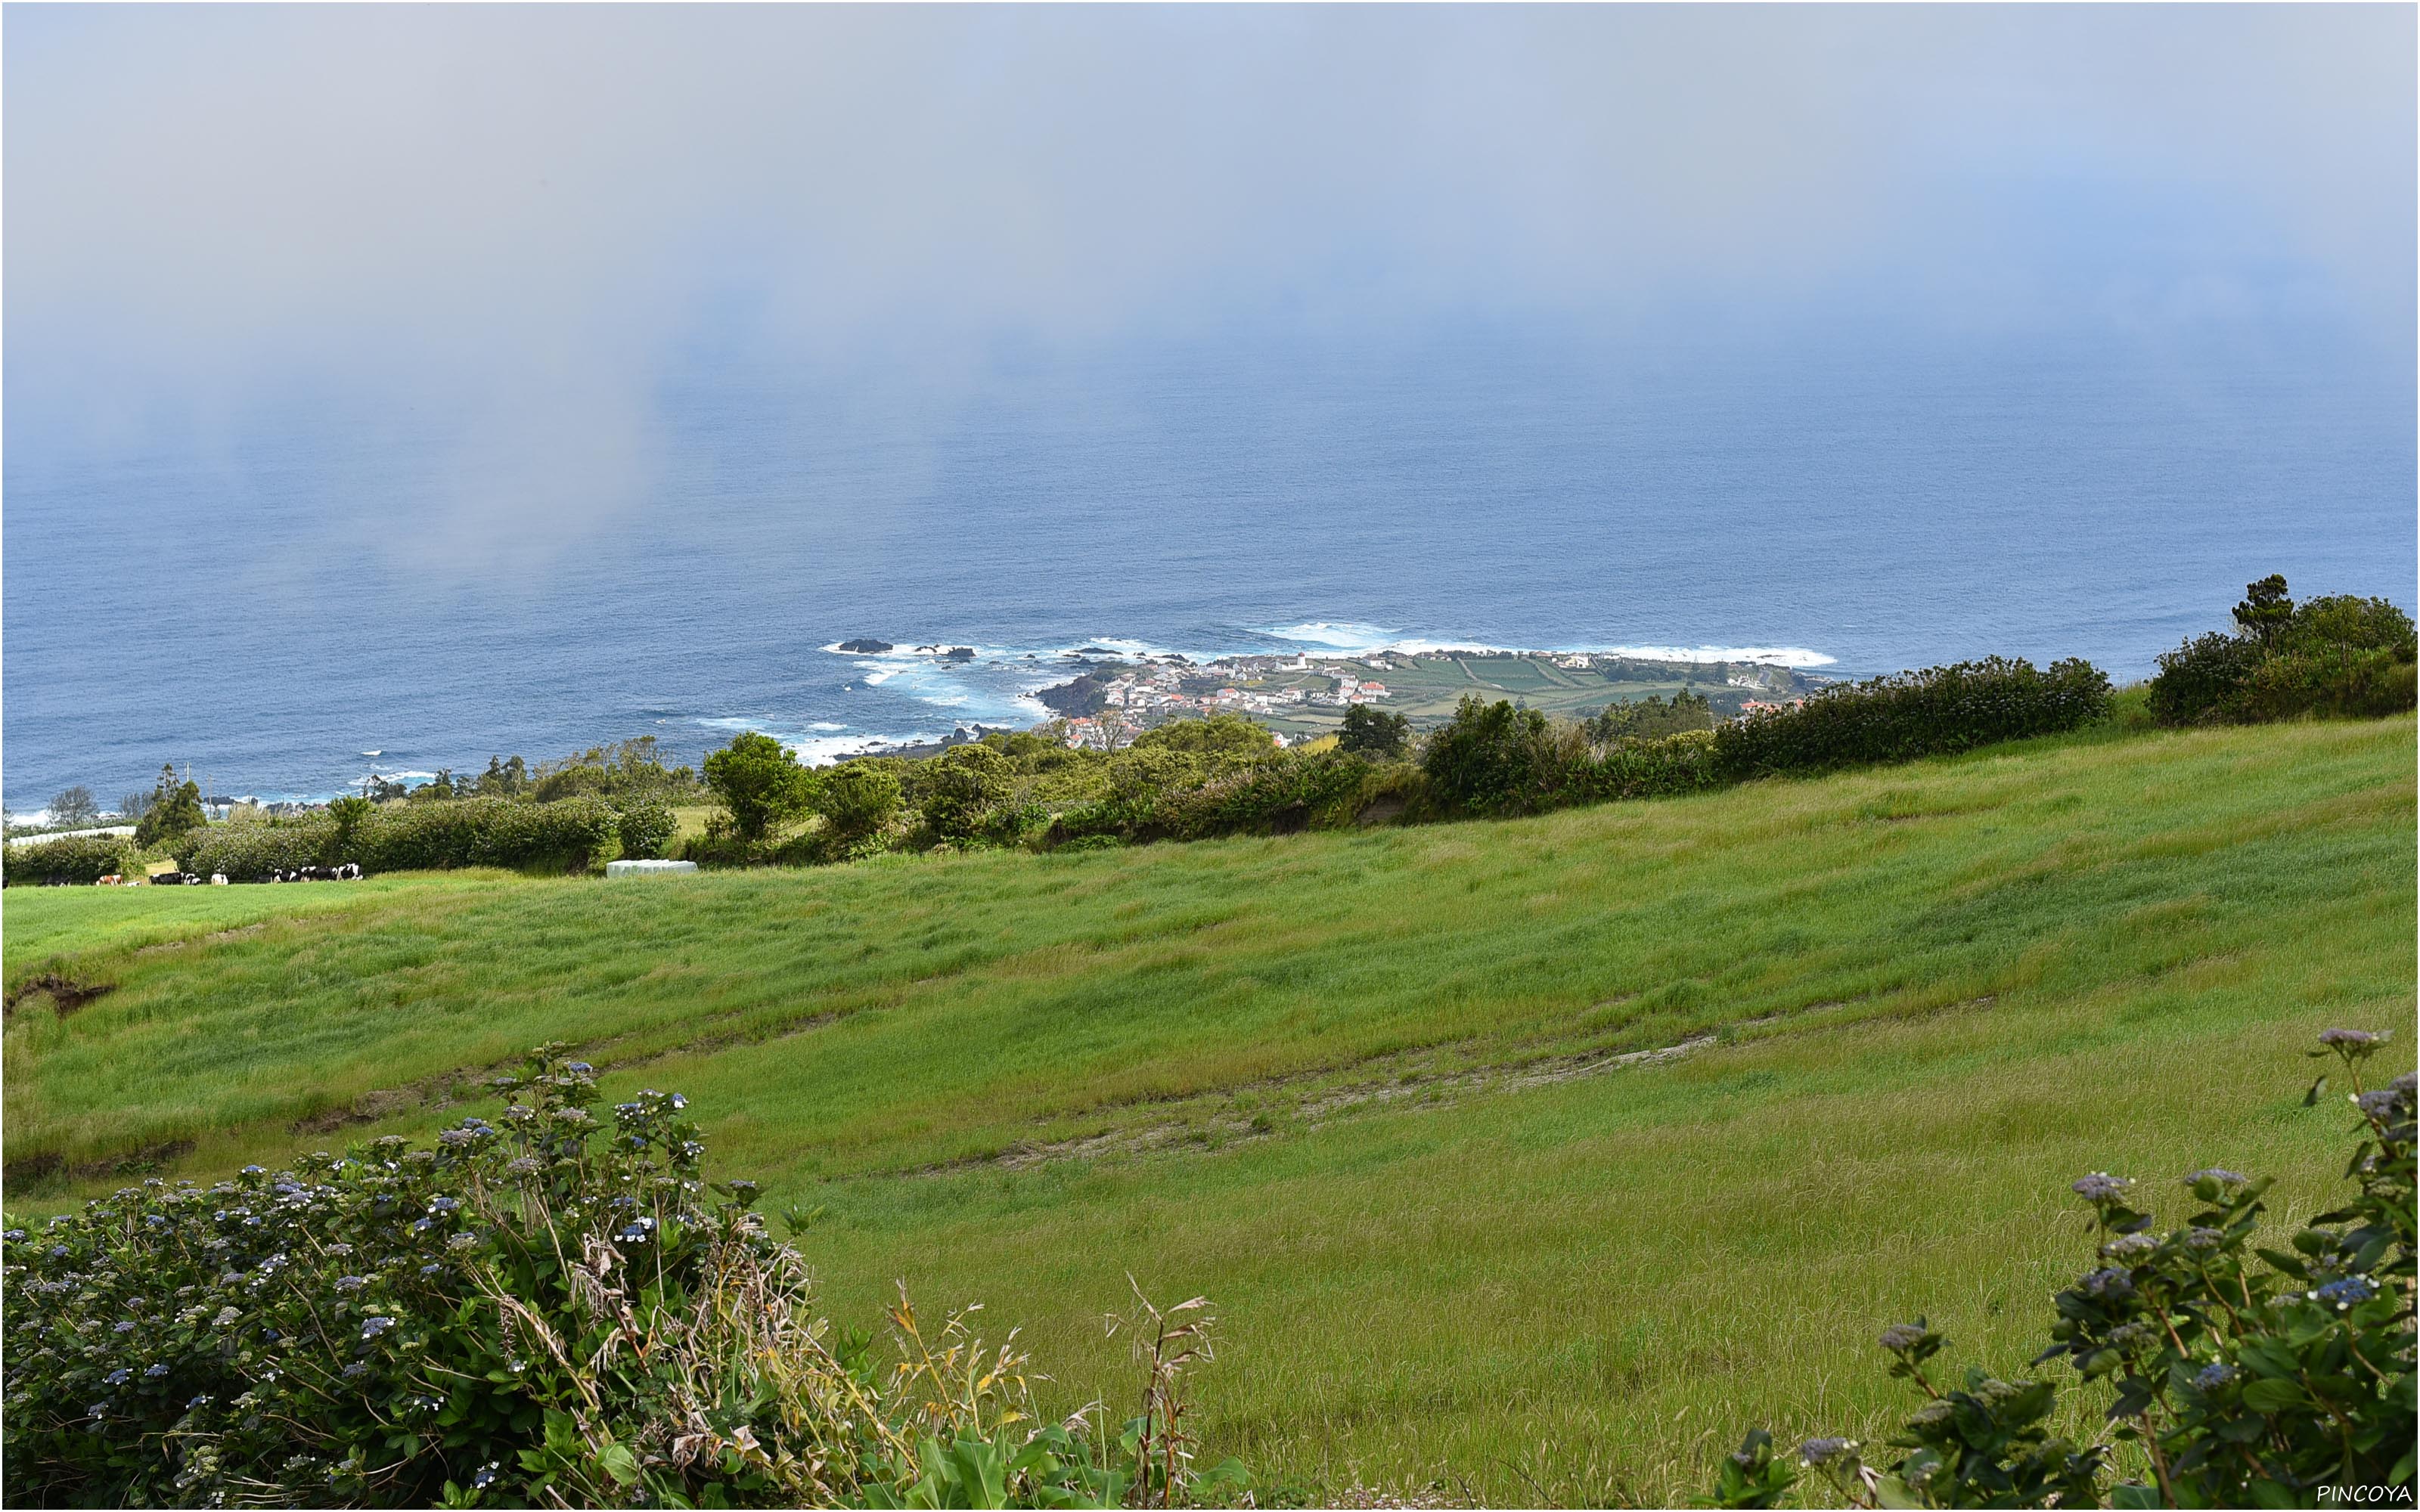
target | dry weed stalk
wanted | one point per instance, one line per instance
(1166, 1342)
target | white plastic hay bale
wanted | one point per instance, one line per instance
(648, 868)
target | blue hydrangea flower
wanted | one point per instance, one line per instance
(2101, 1187)
(2348, 1292)
(2109, 1282)
(1824, 1451)
(2212, 1377)
(119, 1378)
(1902, 1336)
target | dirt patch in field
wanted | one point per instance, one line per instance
(1221, 1123)
(66, 993)
(40, 1169)
(215, 937)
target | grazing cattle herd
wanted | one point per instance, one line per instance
(347, 872)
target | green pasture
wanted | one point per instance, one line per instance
(1354, 1086)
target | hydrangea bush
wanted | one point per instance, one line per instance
(2231, 1373)
(552, 1307)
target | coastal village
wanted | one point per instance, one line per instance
(1302, 697)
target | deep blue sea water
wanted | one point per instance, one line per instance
(312, 577)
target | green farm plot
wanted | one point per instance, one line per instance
(1533, 1159)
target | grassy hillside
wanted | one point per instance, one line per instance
(1369, 1091)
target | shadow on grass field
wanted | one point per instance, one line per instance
(1934, 994)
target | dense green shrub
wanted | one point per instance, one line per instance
(1221, 736)
(2340, 627)
(645, 827)
(79, 861)
(2243, 1375)
(958, 790)
(760, 782)
(1651, 718)
(248, 853)
(1647, 769)
(2202, 681)
(1323, 791)
(624, 773)
(1937, 711)
(2336, 655)
(551, 1308)
(1494, 759)
(1375, 732)
(857, 801)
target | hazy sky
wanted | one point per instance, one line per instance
(522, 211)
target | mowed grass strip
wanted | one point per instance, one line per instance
(1944, 990)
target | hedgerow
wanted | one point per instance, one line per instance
(551, 1308)
(2240, 1375)
(1935, 711)
(570, 835)
(250, 852)
(1635, 768)
(80, 860)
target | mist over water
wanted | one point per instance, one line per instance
(260, 611)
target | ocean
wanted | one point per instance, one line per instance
(320, 582)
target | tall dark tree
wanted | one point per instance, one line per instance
(174, 811)
(74, 806)
(1373, 732)
(2266, 612)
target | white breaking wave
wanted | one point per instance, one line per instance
(1769, 655)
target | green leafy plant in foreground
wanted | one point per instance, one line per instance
(551, 1308)
(2243, 1375)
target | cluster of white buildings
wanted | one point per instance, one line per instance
(1136, 700)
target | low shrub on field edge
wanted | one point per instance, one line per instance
(2245, 1376)
(549, 1309)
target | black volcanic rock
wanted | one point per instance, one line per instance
(865, 647)
(1073, 700)
(959, 653)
